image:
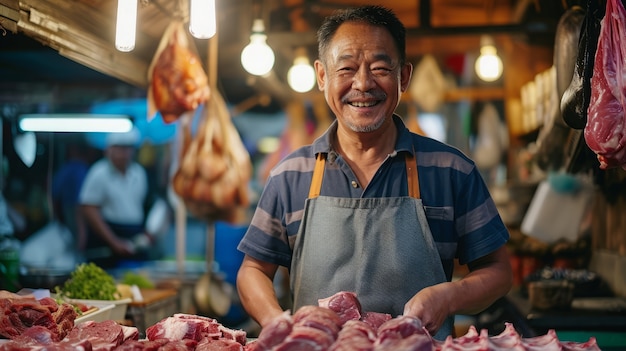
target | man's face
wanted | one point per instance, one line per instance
(361, 76)
(120, 156)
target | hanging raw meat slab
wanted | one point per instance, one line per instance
(605, 132)
(178, 82)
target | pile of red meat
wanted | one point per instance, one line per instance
(339, 324)
(18, 315)
(32, 325)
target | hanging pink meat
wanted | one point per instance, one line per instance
(605, 131)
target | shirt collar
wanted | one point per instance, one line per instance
(404, 143)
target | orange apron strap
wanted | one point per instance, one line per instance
(412, 177)
(318, 175)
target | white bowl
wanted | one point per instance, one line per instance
(118, 313)
(102, 314)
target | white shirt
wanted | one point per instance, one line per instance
(119, 196)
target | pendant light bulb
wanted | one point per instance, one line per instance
(301, 76)
(202, 22)
(488, 66)
(257, 57)
(126, 25)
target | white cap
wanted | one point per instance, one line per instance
(130, 138)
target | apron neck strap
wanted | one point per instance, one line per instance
(318, 174)
(411, 171)
(412, 178)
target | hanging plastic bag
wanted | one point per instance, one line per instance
(428, 86)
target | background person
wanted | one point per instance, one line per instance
(66, 184)
(112, 201)
(370, 207)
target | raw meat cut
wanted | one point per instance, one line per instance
(17, 315)
(310, 328)
(345, 304)
(399, 328)
(414, 342)
(305, 338)
(38, 338)
(605, 131)
(402, 333)
(275, 332)
(355, 335)
(105, 336)
(183, 326)
(208, 344)
(375, 319)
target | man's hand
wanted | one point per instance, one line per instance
(489, 279)
(123, 247)
(142, 241)
(431, 306)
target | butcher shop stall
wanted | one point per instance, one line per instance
(220, 91)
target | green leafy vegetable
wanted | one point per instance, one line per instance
(132, 278)
(89, 282)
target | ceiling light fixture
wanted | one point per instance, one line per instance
(126, 25)
(488, 65)
(78, 122)
(257, 57)
(301, 76)
(202, 23)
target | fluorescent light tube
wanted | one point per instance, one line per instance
(126, 25)
(202, 23)
(64, 122)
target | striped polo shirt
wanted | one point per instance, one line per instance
(462, 216)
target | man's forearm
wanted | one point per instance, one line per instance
(257, 295)
(483, 285)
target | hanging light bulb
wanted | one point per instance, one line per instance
(488, 65)
(301, 76)
(257, 57)
(125, 27)
(202, 23)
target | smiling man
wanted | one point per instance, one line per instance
(370, 207)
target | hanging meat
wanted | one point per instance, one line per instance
(575, 99)
(605, 131)
(215, 167)
(178, 82)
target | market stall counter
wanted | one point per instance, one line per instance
(601, 317)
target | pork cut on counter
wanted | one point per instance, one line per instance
(310, 328)
(401, 333)
(605, 131)
(18, 315)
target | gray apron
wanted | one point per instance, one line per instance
(380, 248)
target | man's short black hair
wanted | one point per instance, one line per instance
(371, 14)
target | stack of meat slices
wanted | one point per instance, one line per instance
(341, 325)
